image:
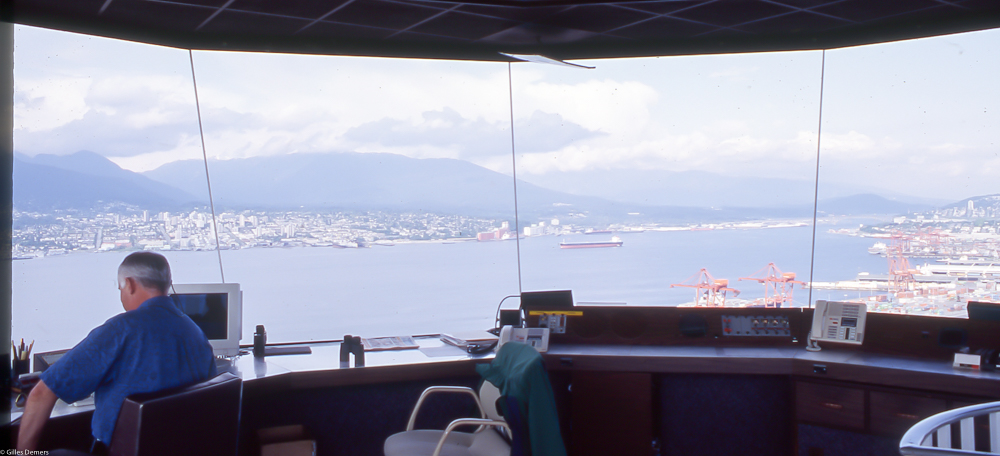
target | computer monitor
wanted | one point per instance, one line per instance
(217, 308)
(984, 311)
(546, 300)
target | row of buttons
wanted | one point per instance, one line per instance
(734, 325)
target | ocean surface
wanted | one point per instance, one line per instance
(309, 293)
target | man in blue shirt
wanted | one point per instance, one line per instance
(150, 347)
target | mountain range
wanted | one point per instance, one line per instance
(372, 181)
(84, 179)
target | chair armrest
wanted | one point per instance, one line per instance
(443, 389)
(467, 422)
(913, 440)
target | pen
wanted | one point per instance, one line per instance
(14, 346)
(28, 354)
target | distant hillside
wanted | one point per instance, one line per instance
(657, 187)
(371, 181)
(84, 162)
(986, 206)
(867, 204)
(53, 183)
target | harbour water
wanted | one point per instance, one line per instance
(421, 288)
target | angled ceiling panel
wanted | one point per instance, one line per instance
(480, 29)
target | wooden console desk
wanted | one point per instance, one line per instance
(874, 396)
(661, 395)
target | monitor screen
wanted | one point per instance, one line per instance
(217, 308)
(984, 311)
(547, 300)
(208, 310)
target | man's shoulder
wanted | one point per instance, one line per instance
(116, 322)
(157, 307)
(158, 314)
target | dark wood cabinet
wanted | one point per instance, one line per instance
(892, 413)
(829, 405)
(842, 418)
(611, 414)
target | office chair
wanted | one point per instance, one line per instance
(488, 439)
(203, 418)
(517, 381)
(932, 435)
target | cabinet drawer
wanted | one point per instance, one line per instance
(828, 405)
(892, 414)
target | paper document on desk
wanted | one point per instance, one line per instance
(389, 343)
(464, 338)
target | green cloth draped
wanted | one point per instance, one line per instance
(519, 373)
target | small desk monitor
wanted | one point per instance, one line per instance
(217, 308)
(984, 311)
(549, 303)
(546, 300)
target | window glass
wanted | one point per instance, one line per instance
(374, 196)
(351, 191)
(689, 163)
(90, 116)
(909, 148)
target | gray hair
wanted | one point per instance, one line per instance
(150, 269)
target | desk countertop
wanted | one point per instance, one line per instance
(434, 359)
(322, 366)
(840, 365)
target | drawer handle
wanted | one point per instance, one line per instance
(907, 416)
(833, 406)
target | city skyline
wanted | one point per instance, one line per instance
(120, 227)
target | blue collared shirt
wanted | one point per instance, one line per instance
(151, 348)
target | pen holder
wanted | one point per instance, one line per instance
(20, 366)
(352, 345)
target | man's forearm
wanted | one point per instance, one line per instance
(36, 413)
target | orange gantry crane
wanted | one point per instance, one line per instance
(709, 291)
(900, 273)
(778, 285)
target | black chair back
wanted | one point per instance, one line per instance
(203, 418)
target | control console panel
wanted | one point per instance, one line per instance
(755, 326)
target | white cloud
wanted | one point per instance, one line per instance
(188, 149)
(136, 104)
(611, 106)
(143, 101)
(46, 104)
(734, 73)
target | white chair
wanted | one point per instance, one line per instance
(486, 440)
(932, 435)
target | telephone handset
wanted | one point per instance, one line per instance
(536, 337)
(841, 322)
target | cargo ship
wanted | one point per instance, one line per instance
(614, 242)
(879, 248)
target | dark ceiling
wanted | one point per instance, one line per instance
(479, 29)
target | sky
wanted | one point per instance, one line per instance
(915, 118)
